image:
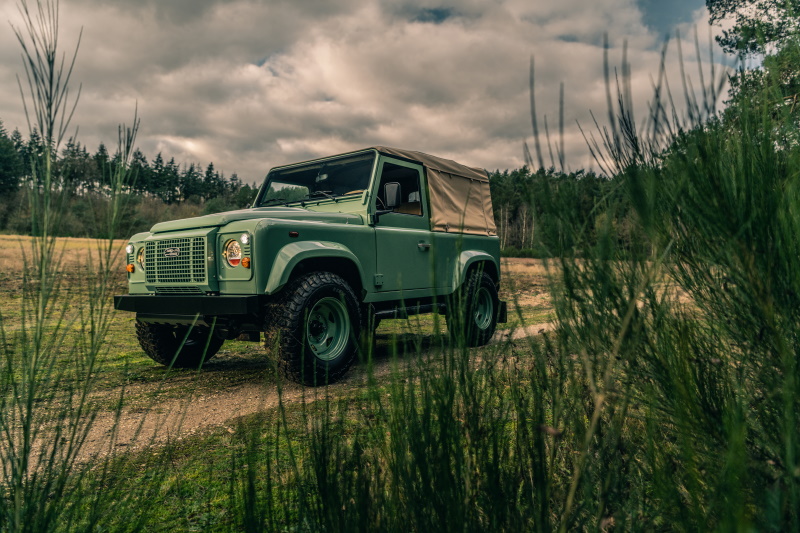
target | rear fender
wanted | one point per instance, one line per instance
(467, 259)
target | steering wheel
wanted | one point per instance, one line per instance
(359, 191)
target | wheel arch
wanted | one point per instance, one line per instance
(299, 258)
(474, 259)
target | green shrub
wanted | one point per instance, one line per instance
(665, 399)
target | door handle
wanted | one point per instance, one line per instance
(424, 246)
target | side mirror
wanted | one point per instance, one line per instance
(391, 191)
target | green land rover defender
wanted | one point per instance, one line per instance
(328, 248)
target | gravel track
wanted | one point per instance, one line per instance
(170, 418)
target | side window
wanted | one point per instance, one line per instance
(408, 179)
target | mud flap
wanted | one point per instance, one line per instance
(502, 313)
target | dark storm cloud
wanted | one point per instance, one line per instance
(179, 12)
(250, 84)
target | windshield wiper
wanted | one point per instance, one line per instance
(283, 201)
(326, 194)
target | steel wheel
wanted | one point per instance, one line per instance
(484, 309)
(328, 328)
(472, 311)
(313, 327)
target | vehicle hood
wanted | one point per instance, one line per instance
(289, 213)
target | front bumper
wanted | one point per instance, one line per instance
(159, 304)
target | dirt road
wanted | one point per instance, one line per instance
(182, 406)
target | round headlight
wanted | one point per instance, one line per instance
(140, 257)
(233, 253)
(245, 238)
(129, 249)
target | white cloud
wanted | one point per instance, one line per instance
(250, 84)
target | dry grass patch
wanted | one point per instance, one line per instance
(72, 252)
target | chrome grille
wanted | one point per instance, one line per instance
(179, 260)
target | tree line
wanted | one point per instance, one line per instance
(160, 189)
(538, 213)
(547, 213)
(527, 221)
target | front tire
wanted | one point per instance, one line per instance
(314, 327)
(166, 345)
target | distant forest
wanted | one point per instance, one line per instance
(162, 189)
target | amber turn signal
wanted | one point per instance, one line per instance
(246, 262)
(130, 268)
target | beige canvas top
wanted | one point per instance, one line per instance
(459, 195)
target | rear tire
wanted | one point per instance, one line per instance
(165, 344)
(314, 327)
(472, 313)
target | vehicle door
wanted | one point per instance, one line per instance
(402, 236)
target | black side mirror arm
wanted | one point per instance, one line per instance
(377, 216)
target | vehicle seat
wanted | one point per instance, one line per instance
(409, 208)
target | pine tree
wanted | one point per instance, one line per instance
(169, 186)
(141, 174)
(191, 185)
(10, 164)
(214, 184)
(102, 169)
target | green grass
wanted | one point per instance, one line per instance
(123, 364)
(644, 409)
(208, 475)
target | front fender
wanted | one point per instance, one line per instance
(290, 255)
(465, 261)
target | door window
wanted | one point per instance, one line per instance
(409, 181)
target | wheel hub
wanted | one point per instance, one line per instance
(328, 328)
(484, 309)
(317, 327)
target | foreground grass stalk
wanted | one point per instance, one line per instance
(52, 357)
(665, 398)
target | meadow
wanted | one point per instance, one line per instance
(584, 413)
(238, 362)
(646, 384)
(650, 389)
(175, 420)
(241, 379)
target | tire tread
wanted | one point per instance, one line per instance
(284, 329)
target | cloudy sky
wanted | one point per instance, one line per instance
(250, 84)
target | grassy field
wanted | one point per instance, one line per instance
(189, 425)
(641, 411)
(649, 384)
(239, 362)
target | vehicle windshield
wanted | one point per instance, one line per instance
(323, 179)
